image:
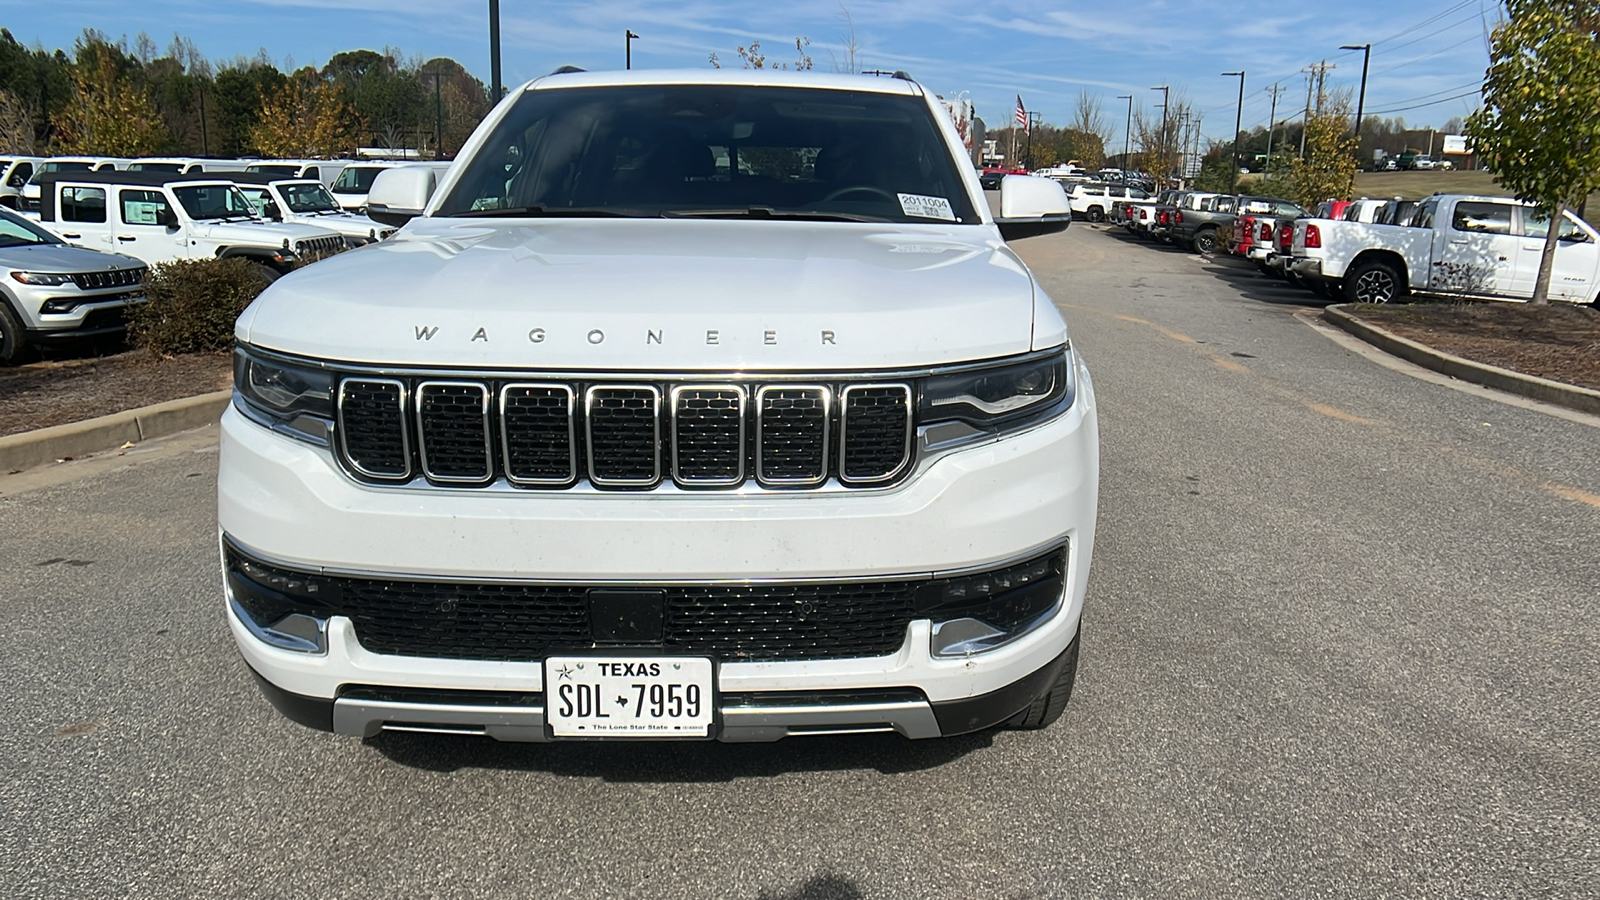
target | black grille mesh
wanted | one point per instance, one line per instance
(876, 439)
(731, 622)
(708, 430)
(794, 427)
(454, 421)
(372, 427)
(624, 435)
(537, 419)
(92, 281)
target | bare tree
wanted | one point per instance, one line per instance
(851, 63)
(1089, 117)
(16, 125)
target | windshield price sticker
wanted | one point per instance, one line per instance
(622, 697)
(927, 207)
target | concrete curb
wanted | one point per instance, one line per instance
(1531, 386)
(32, 448)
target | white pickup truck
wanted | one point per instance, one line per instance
(1456, 245)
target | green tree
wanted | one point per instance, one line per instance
(1538, 129)
(112, 113)
(307, 117)
(236, 104)
(41, 82)
(1328, 169)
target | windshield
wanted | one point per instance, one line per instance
(307, 198)
(15, 231)
(715, 150)
(214, 201)
(356, 179)
(287, 169)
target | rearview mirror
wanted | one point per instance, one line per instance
(400, 194)
(1031, 206)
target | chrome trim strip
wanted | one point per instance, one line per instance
(572, 434)
(827, 421)
(742, 724)
(844, 432)
(590, 375)
(740, 448)
(483, 414)
(405, 433)
(925, 575)
(588, 434)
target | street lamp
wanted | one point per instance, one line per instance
(1166, 99)
(494, 52)
(1238, 122)
(1127, 132)
(1361, 103)
(628, 43)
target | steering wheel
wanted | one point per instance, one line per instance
(860, 189)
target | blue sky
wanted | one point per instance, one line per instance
(1423, 52)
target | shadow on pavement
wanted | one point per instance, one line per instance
(694, 761)
(1253, 284)
(821, 887)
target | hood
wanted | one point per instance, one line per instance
(64, 258)
(653, 295)
(345, 223)
(260, 234)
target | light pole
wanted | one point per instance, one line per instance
(1361, 101)
(628, 42)
(1127, 132)
(1166, 99)
(494, 52)
(1238, 121)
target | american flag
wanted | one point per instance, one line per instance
(1022, 116)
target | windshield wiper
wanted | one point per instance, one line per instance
(767, 212)
(534, 212)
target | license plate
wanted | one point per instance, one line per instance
(628, 696)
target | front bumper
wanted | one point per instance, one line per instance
(980, 506)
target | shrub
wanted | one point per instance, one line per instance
(193, 304)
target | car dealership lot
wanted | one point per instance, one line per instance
(1339, 641)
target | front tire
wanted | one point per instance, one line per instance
(1374, 281)
(1048, 708)
(14, 347)
(1205, 241)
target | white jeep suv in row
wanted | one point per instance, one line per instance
(694, 405)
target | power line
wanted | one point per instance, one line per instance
(1425, 22)
(1380, 112)
(1470, 37)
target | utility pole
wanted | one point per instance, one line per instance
(438, 117)
(1127, 133)
(1272, 120)
(1033, 119)
(1361, 102)
(628, 43)
(1166, 98)
(1238, 123)
(495, 90)
(1316, 73)
(205, 143)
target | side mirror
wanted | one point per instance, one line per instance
(271, 211)
(169, 217)
(400, 194)
(1030, 207)
(15, 181)
(1574, 237)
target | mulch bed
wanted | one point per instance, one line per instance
(71, 390)
(1560, 341)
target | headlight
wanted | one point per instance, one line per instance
(1003, 396)
(43, 279)
(284, 395)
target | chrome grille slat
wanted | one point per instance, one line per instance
(538, 434)
(875, 431)
(708, 443)
(792, 434)
(623, 434)
(453, 431)
(372, 427)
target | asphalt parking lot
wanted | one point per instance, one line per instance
(1340, 641)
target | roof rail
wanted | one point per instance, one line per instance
(895, 74)
(567, 70)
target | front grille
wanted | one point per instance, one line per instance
(317, 247)
(552, 435)
(751, 622)
(94, 281)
